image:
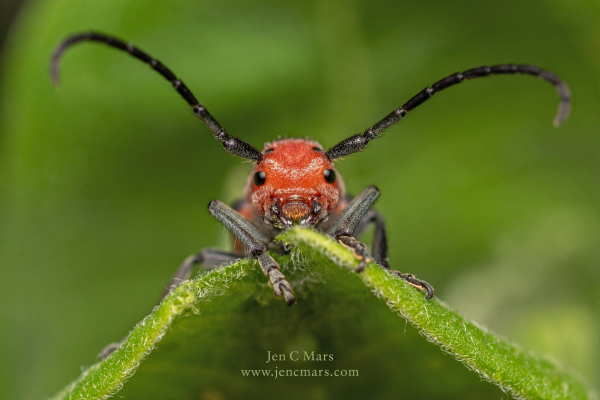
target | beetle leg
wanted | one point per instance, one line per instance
(281, 286)
(419, 284)
(353, 220)
(108, 350)
(379, 246)
(344, 227)
(359, 248)
(208, 258)
(254, 241)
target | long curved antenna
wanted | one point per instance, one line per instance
(358, 142)
(232, 144)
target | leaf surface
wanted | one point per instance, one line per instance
(208, 319)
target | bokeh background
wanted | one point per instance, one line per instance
(104, 183)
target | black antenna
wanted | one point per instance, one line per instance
(232, 144)
(358, 142)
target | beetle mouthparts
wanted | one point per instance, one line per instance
(295, 210)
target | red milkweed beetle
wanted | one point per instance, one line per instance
(294, 182)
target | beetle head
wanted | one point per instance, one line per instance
(294, 184)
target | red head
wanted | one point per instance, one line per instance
(294, 184)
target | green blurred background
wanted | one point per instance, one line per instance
(104, 183)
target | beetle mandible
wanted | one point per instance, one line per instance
(294, 181)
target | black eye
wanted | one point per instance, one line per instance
(329, 175)
(260, 178)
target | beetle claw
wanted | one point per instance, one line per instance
(418, 283)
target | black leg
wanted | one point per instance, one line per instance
(419, 284)
(108, 350)
(355, 218)
(359, 249)
(209, 258)
(232, 144)
(379, 247)
(350, 218)
(254, 241)
(344, 227)
(358, 142)
(280, 285)
(380, 250)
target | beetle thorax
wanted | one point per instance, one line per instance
(294, 184)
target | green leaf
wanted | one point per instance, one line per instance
(239, 292)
